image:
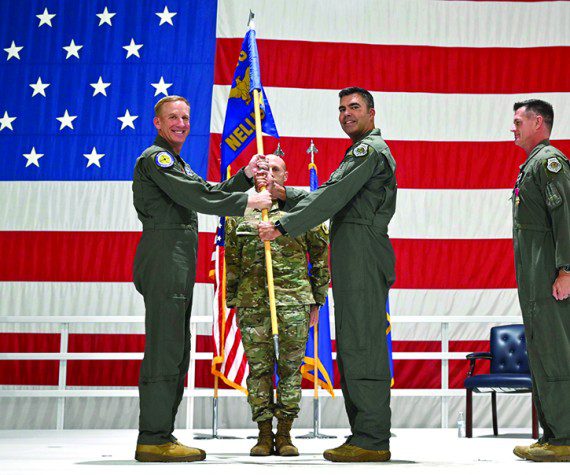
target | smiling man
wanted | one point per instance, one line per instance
(541, 232)
(360, 199)
(167, 195)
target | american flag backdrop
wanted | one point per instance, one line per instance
(79, 80)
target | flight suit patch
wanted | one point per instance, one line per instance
(188, 170)
(553, 165)
(164, 160)
(553, 197)
(361, 150)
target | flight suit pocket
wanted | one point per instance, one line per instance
(553, 197)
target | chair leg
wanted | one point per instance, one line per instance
(469, 414)
(534, 421)
(494, 410)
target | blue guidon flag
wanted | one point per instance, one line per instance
(239, 125)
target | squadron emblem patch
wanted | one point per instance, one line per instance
(164, 160)
(361, 150)
(553, 165)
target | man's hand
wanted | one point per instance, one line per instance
(261, 200)
(277, 191)
(263, 179)
(561, 286)
(267, 231)
(314, 315)
(257, 163)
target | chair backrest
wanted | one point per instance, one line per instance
(508, 347)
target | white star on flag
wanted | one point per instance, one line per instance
(45, 18)
(161, 87)
(66, 120)
(100, 87)
(13, 51)
(39, 87)
(133, 49)
(72, 49)
(6, 121)
(128, 120)
(33, 157)
(93, 158)
(166, 16)
(105, 17)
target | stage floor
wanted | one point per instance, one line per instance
(414, 451)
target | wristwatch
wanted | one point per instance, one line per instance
(280, 228)
(565, 269)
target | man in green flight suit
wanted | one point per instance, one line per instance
(541, 232)
(298, 297)
(360, 199)
(167, 194)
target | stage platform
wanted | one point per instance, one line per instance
(414, 451)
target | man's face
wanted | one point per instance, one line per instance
(277, 169)
(173, 123)
(354, 116)
(525, 127)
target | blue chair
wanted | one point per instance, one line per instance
(510, 373)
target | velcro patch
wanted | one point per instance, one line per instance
(164, 159)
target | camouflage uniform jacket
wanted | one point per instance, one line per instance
(246, 280)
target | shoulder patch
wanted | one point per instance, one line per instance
(164, 159)
(553, 165)
(361, 150)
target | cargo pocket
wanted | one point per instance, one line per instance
(551, 327)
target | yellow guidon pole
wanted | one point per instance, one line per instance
(265, 217)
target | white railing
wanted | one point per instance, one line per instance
(191, 391)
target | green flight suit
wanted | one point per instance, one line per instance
(167, 194)
(360, 199)
(541, 231)
(295, 291)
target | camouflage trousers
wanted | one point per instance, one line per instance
(255, 327)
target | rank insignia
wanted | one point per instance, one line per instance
(361, 150)
(187, 169)
(553, 165)
(164, 160)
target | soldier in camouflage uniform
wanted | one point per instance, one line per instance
(541, 232)
(298, 296)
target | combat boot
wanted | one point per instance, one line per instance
(169, 452)
(264, 446)
(521, 451)
(549, 453)
(352, 453)
(283, 444)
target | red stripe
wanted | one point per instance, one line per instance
(409, 373)
(86, 257)
(439, 165)
(393, 68)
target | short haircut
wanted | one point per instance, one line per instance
(361, 92)
(539, 107)
(166, 99)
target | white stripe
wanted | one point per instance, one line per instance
(409, 22)
(121, 299)
(313, 113)
(106, 206)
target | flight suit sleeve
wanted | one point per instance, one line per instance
(238, 182)
(556, 190)
(233, 261)
(193, 192)
(318, 250)
(331, 196)
(293, 197)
